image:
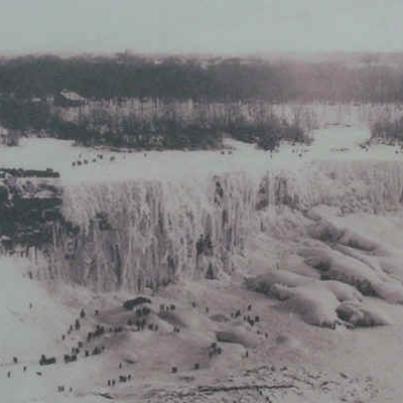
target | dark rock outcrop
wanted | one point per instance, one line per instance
(30, 203)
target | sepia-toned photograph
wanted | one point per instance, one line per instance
(201, 201)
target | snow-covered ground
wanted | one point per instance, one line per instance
(281, 357)
(259, 363)
(336, 143)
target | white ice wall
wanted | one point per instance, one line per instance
(154, 226)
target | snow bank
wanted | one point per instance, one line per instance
(334, 265)
(342, 291)
(361, 316)
(391, 291)
(314, 304)
(266, 283)
(237, 335)
(20, 301)
(329, 232)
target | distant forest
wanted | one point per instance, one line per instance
(218, 79)
(30, 85)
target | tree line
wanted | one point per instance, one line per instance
(240, 89)
(219, 79)
(170, 78)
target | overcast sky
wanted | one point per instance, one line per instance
(200, 26)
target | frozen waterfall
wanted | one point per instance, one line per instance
(135, 233)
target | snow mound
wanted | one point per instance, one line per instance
(329, 302)
(334, 265)
(369, 259)
(325, 231)
(358, 241)
(315, 305)
(331, 233)
(189, 320)
(342, 291)
(288, 341)
(237, 335)
(266, 283)
(360, 271)
(392, 266)
(391, 291)
(358, 315)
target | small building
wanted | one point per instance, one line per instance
(3, 135)
(8, 137)
(68, 98)
(6, 244)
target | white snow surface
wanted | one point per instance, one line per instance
(59, 155)
(343, 188)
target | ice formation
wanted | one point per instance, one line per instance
(135, 233)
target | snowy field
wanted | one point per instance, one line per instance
(335, 143)
(309, 340)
